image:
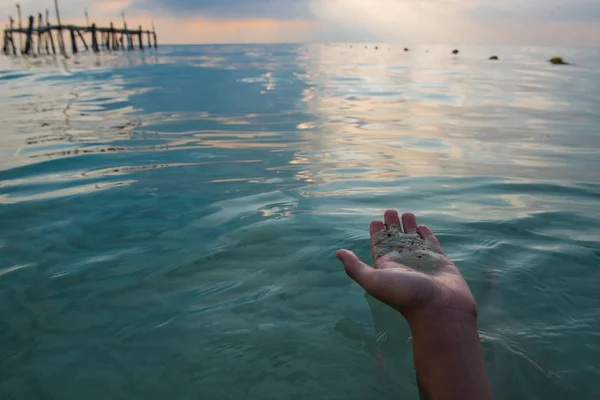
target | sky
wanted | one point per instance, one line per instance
(519, 22)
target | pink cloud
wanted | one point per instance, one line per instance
(202, 30)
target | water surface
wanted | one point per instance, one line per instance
(170, 219)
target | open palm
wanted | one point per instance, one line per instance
(412, 274)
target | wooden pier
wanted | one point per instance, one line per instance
(39, 36)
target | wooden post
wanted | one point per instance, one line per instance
(127, 35)
(12, 23)
(50, 32)
(5, 42)
(107, 40)
(154, 35)
(82, 39)
(46, 34)
(61, 40)
(113, 37)
(73, 41)
(20, 27)
(39, 33)
(127, 44)
(116, 40)
(141, 38)
(149, 40)
(94, 39)
(14, 47)
(29, 39)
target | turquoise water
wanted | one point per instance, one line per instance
(170, 219)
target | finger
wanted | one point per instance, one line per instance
(376, 227)
(409, 222)
(426, 234)
(391, 218)
(360, 272)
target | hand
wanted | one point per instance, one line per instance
(412, 274)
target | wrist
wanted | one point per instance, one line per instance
(448, 355)
(442, 321)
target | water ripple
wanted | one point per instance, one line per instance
(172, 215)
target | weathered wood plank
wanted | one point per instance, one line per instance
(84, 29)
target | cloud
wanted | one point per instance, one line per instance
(551, 22)
(228, 9)
(428, 21)
(544, 22)
(73, 8)
(538, 10)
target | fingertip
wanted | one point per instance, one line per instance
(355, 268)
(347, 257)
(424, 231)
(427, 234)
(342, 254)
(376, 227)
(409, 221)
(391, 217)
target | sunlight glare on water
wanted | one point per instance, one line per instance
(170, 219)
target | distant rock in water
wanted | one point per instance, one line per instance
(455, 51)
(376, 47)
(558, 61)
(406, 49)
(494, 58)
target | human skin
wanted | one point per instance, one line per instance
(413, 275)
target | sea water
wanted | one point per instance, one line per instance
(169, 218)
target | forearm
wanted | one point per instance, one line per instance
(449, 358)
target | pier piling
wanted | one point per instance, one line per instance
(20, 28)
(73, 41)
(29, 37)
(49, 32)
(39, 33)
(141, 38)
(94, 39)
(5, 42)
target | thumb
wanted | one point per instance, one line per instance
(360, 272)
